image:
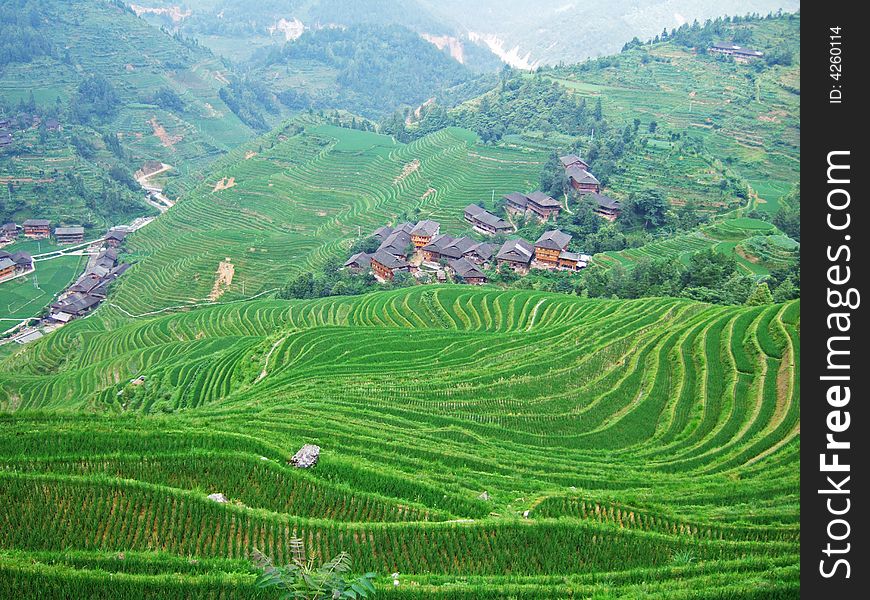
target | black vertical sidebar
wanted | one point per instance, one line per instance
(835, 356)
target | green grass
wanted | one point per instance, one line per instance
(21, 299)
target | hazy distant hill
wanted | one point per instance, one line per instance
(524, 33)
(92, 92)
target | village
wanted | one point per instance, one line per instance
(89, 289)
(428, 255)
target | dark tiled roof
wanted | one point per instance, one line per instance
(116, 234)
(426, 228)
(438, 243)
(69, 230)
(360, 258)
(22, 258)
(553, 240)
(483, 251)
(487, 218)
(382, 232)
(6, 262)
(458, 247)
(516, 198)
(37, 223)
(516, 250)
(388, 260)
(541, 199)
(571, 159)
(581, 175)
(604, 201)
(396, 243)
(465, 268)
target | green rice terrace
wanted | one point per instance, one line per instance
(300, 195)
(749, 122)
(481, 443)
(756, 245)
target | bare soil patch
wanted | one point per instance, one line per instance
(160, 131)
(224, 279)
(407, 170)
(224, 184)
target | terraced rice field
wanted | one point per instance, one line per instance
(303, 196)
(628, 449)
(749, 124)
(756, 245)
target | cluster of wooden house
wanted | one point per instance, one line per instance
(38, 229)
(577, 172)
(550, 251)
(415, 248)
(92, 287)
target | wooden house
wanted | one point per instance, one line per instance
(69, 235)
(484, 221)
(572, 261)
(543, 205)
(386, 265)
(457, 248)
(361, 261)
(516, 253)
(516, 203)
(467, 271)
(115, 237)
(23, 261)
(8, 232)
(423, 232)
(397, 243)
(605, 206)
(738, 53)
(550, 245)
(7, 267)
(37, 228)
(381, 233)
(572, 160)
(582, 180)
(480, 254)
(432, 251)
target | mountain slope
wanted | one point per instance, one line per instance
(106, 77)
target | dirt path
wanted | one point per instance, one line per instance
(224, 279)
(265, 371)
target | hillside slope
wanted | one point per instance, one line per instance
(107, 78)
(663, 428)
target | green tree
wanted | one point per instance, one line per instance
(303, 579)
(760, 296)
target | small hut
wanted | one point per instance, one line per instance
(306, 457)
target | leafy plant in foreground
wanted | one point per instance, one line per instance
(303, 580)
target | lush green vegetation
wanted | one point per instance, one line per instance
(697, 405)
(481, 442)
(120, 91)
(377, 68)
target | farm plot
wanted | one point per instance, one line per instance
(697, 405)
(302, 198)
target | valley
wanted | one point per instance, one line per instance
(628, 427)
